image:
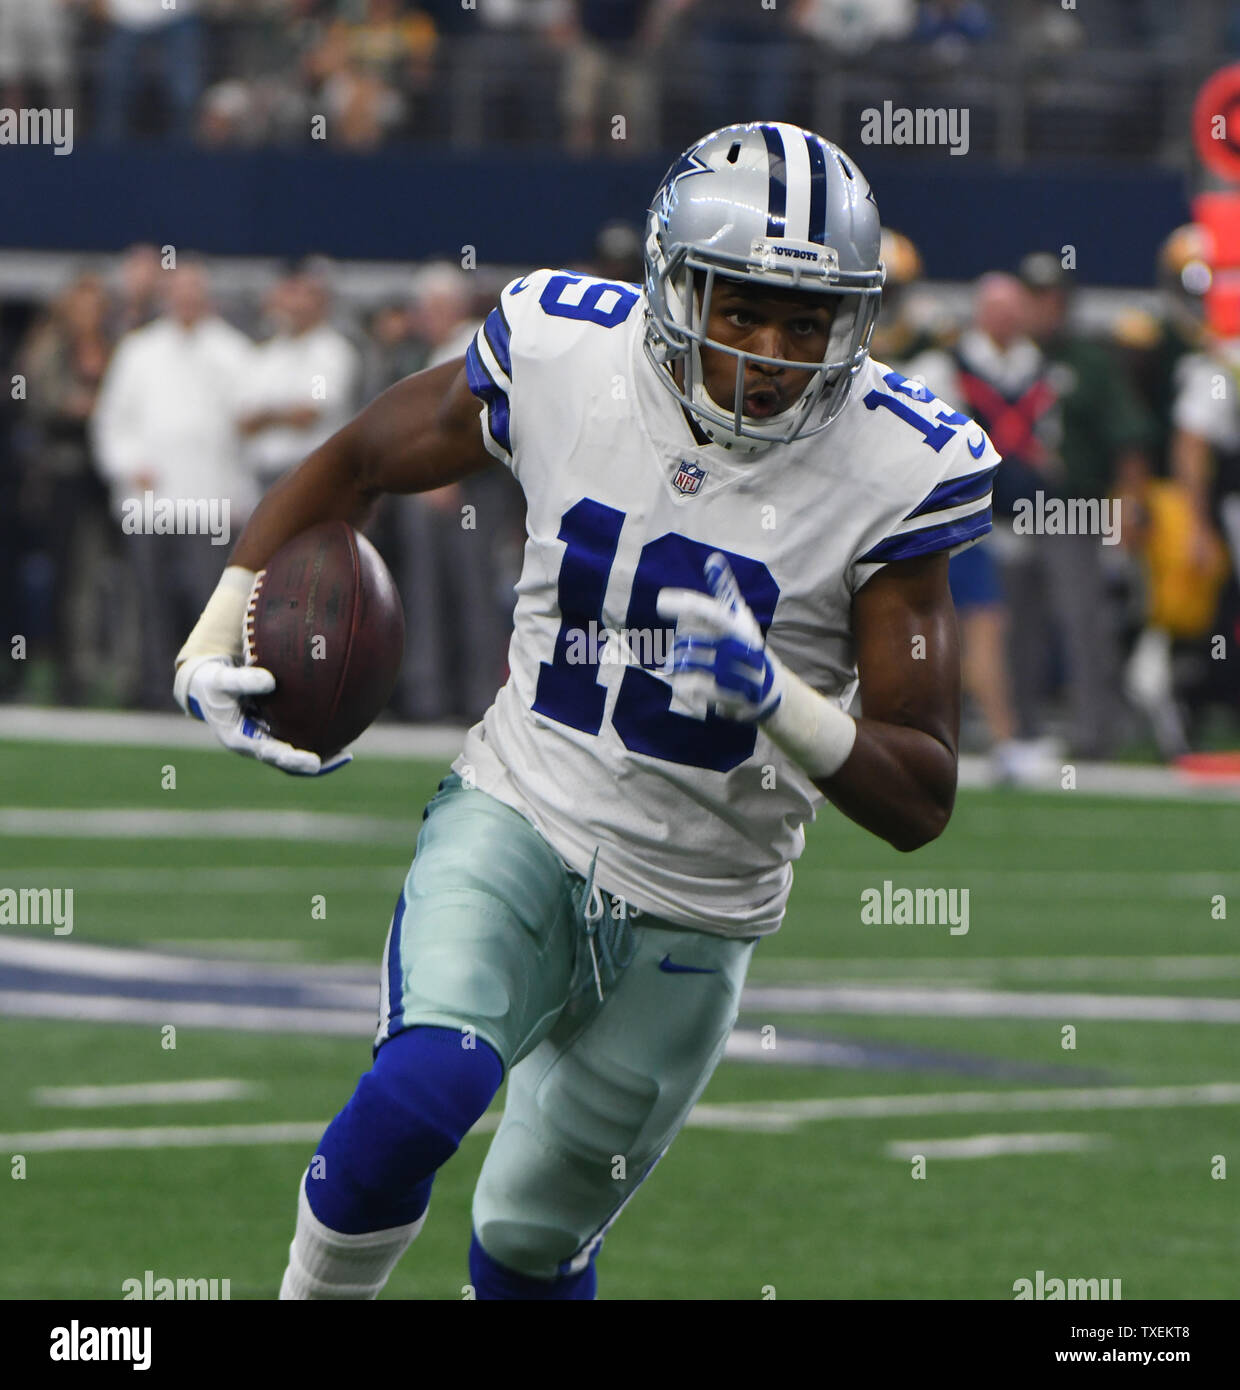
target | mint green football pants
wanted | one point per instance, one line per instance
(497, 937)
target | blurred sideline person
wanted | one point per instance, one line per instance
(1169, 674)
(303, 382)
(455, 568)
(610, 69)
(137, 28)
(1205, 460)
(1001, 381)
(63, 360)
(136, 290)
(36, 53)
(166, 424)
(1103, 452)
(922, 352)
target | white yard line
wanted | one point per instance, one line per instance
(126, 963)
(30, 822)
(993, 1145)
(180, 1136)
(754, 1116)
(121, 729)
(1014, 883)
(923, 969)
(272, 878)
(145, 1093)
(348, 1023)
(443, 742)
(985, 1003)
(786, 1115)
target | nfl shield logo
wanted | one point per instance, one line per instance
(689, 478)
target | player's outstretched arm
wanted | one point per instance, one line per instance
(420, 434)
(899, 781)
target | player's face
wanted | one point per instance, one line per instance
(771, 323)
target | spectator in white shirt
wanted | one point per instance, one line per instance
(166, 441)
(304, 382)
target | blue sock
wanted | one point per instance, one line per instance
(494, 1280)
(408, 1115)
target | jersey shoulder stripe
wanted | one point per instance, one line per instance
(543, 320)
(956, 491)
(944, 535)
(954, 509)
(491, 384)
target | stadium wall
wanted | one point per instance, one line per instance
(532, 207)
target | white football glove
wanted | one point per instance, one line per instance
(719, 660)
(212, 681)
(214, 688)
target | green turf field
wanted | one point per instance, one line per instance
(1091, 913)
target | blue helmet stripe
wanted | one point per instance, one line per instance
(777, 182)
(817, 189)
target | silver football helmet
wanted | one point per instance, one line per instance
(772, 204)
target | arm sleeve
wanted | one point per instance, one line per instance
(954, 515)
(488, 368)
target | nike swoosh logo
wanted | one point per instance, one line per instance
(521, 284)
(978, 449)
(670, 966)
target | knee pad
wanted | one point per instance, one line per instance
(374, 1166)
(492, 1280)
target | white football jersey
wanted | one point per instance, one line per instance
(694, 820)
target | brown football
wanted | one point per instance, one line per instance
(326, 620)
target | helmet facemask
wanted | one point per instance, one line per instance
(680, 287)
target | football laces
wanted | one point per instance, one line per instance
(251, 614)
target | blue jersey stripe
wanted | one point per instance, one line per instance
(817, 190)
(499, 336)
(956, 492)
(929, 538)
(487, 389)
(777, 182)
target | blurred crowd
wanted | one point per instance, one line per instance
(360, 73)
(1091, 617)
(136, 384)
(1107, 590)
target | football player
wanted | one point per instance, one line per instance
(735, 520)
